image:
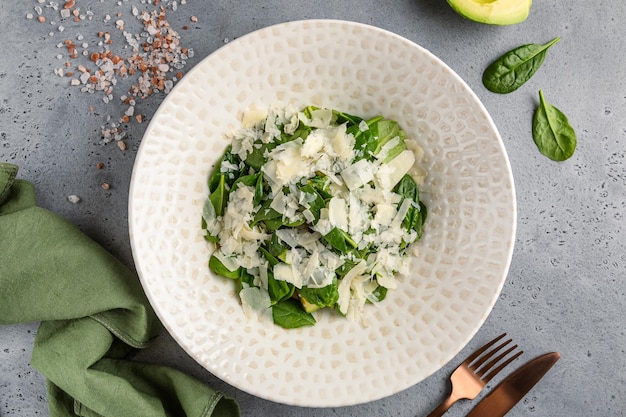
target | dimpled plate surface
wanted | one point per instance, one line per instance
(464, 254)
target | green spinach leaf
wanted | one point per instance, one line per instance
(323, 297)
(253, 180)
(350, 119)
(290, 314)
(384, 131)
(209, 217)
(509, 72)
(552, 133)
(321, 184)
(316, 205)
(219, 196)
(365, 142)
(302, 131)
(276, 248)
(271, 259)
(266, 213)
(246, 277)
(279, 290)
(380, 293)
(416, 216)
(218, 268)
(340, 240)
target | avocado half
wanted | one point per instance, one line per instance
(493, 12)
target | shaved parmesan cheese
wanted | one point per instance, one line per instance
(342, 144)
(384, 214)
(255, 302)
(288, 162)
(345, 292)
(391, 173)
(337, 213)
(284, 272)
(358, 174)
(253, 117)
(320, 118)
(314, 144)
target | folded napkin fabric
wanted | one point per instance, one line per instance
(93, 315)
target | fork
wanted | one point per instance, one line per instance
(473, 374)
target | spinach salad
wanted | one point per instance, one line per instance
(314, 209)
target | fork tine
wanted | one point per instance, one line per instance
(480, 351)
(485, 368)
(493, 373)
(488, 355)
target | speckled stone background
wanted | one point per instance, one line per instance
(565, 290)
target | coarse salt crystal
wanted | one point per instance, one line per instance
(74, 199)
(84, 77)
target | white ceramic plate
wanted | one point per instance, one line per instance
(464, 254)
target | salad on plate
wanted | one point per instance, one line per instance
(314, 209)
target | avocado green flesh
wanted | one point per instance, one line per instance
(493, 12)
(308, 307)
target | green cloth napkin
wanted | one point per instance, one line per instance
(93, 315)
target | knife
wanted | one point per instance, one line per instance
(514, 387)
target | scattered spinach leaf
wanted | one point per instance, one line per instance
(509, 72)
(552, 133)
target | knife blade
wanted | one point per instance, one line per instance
(514, 387)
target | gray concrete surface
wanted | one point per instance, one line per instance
(565, 290)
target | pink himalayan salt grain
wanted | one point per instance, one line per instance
(154, 60)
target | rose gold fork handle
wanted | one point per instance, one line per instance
(443, 407)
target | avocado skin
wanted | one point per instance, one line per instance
(495, 12)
